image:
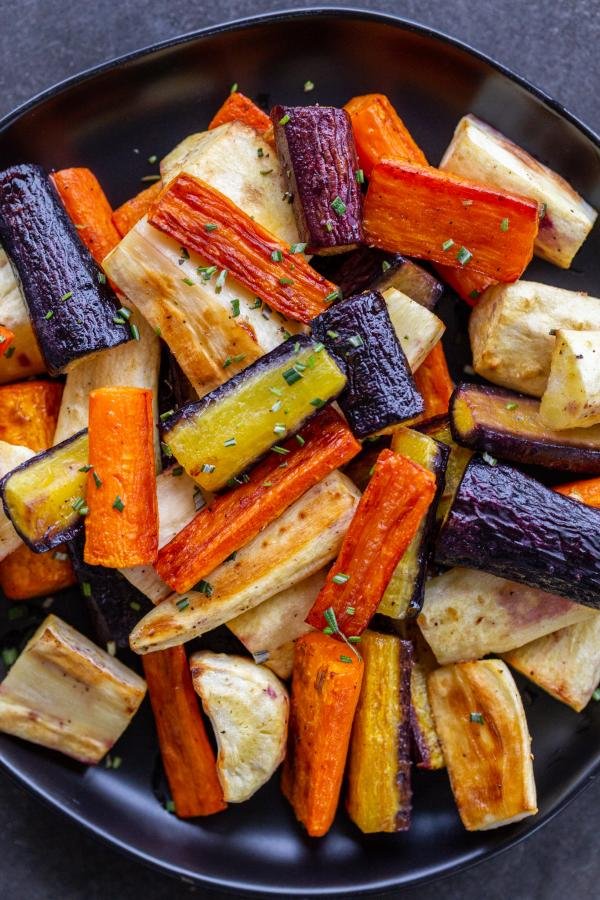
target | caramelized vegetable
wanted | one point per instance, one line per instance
(6, 338)
(587, 491)
(369, 269)
(238, 108)
(379, 791)
(455, 467)
(426, 742)
(186, 752)
(325, 690)
(434, 384)
(23, 357)
(416, 327)
(28, 413)
(387, 519)
(572, 395)
(422, 212)
(380, 133)
(121, 528)
(189, 210)
(11, 456)
(88, 209)
(130, 213)
(237, 517)
(468, 284)
(481, 723)
(25, 574)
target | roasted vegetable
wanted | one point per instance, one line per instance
(67, 694)
(455, 466)
(24, 357)
(121, 527)
(129, 214)
(44, 497)
(370, 269)
(380, 133)
(11, 456)
(236, 161)
(480, 152)
(203, 220)
(468, 614)
(213, 329)
(380, 390)
(565, 663)
(89, 210)
(187, 755)
(315, 146)
(481, 723)
(28, 413)
(238, 108)
(416, 327)
(281, 660)
(6, 339)
(508, 524)
(275, 623)
(237, 517)
(379, 790)
(303, 540)
(248, 707)
(587, 491)
(469, 285)
(421, 212)
(512, 331)
(389, 515)
(403, 595)
(572, 395)
(325, 690)
(434, 384)
(24, 574)
(510, 426)
(224, 432)
(428, 749)
(57, 272)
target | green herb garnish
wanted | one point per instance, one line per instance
(338, 206)
(118, 504)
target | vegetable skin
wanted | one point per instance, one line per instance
(88, 208)
(325, 692)
(239, 108)
(129, 213)
(572, 396)
(380, 133)
(186, 752)
(455, 466)
(368, 269)
(416, 210)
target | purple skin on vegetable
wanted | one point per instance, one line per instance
(381, 390)
(315, 145)
(404, 739)
(511, 525)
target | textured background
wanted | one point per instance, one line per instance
(44, 41)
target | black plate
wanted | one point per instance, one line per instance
(149, 101)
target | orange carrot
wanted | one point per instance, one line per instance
(236, 517)
(187, 755)
(130, 213)
(238, 108)
(29, 412)
(25, 574)
(386, 520)
(433, 215)
(586, 491)
(121, 528)
(200, 218)
(467, 284)
(325, 690)
(88, 209)
(434, 383)
(380, 133)
(6, 338)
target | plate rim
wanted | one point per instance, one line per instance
(239, 24)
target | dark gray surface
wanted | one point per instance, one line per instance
(43, 41)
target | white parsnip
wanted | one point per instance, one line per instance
(572, 395)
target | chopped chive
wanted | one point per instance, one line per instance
(9, 655)
(176, 471)
(211, 226)
(350, 610)
(119, 321)
(170, 806)
(292, 376)
(97, 480)
(233, 88)
(260, 152)
(512, 405)
(67, 296)
(300, 440)
(135, 332)
(309, 86)
(464, 256)
(78, 503)
(504, 225)
(474, 294)
(328, 630)
(182, 604)
(86, 589)
(135, 605)
(385, 265)
(489, 459)
(9, 352)
(332, 334)
(296, 346)
(329, 226)
(166, 449)
(230, 442)
(317, 402)
(204, 587)
(208, 468)
(49, 314)
(164, 416)
(276, 406)
(330, 618)
(220, 282)
(152, 159)
(188, 281)
(266, 171)
(284, 119)
(286, 280)
(340, 578)
(277, 391)
(257, 303)
(118, 504)
(354, 639)
(278, 428)
(235, 308)
(360, 176)
(477, 717)
(338, 206)
(334, 295)
(124, 312)
(281, 450)
(319, 346)
(596, 694)
(356, 341)
(276, 255)
(447, 244)
(157, 330)
(345, 659)
(150, 178)
(101, 277)
(298, 248)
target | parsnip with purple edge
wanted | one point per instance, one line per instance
(315, 146)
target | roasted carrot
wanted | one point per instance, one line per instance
(433, 215)
(434, 383)
(121, 527)
(238, 108)
(6, 338)
(586, 491)
(467, 284)
(187, 755)
(25, 574)
(130, 213)
(386, 520)
(325, 690)
(231, 522)
(204, 220)
(380, 133)
(88, 209)
(29, 412)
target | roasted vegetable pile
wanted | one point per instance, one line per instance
(381, 543)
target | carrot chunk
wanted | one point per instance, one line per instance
(235, 518)
(88, 209)
(433, 215)
(386, 520)
(129, 213)
(434, 383)
(204, 220)
(186, 753)
(380, 133)
(25, 574)
(121, 528)
(6, 338)
(586, 491)
(239, 108)
(29, 412)
(469, 285)
(325, 690)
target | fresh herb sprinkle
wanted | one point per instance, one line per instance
(477, 717)
(338, 206)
